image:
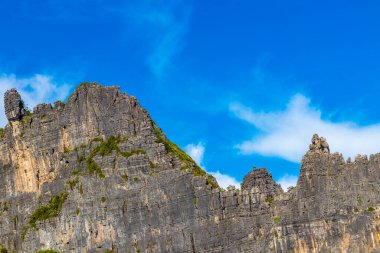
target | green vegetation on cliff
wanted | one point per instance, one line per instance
(49, 211)
(106, 148)
(371, 209)
(188, 162)
(3, 249)
(52, 210)
(72, 183)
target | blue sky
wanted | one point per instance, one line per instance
(235, 83)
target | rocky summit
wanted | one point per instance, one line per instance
(96, 174)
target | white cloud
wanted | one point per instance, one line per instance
(34, 90)
(196, 151)
(225, 180)
(287, 181)
(287, 133)
(166, 24)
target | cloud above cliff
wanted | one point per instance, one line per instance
(165, 24)
(196, 151)
(34, 90)
(287, 133)
(287, 181)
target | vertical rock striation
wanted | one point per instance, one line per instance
(96, 174)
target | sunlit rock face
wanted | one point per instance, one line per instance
(96, 174)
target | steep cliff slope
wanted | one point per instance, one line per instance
(97, 175)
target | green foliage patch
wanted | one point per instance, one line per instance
(47, 251)
(277, 219)
(269, 201)
(96, 139)
(27, 119)
(77, 172)
(371, 209)
(67, 150)
(93, 167)
(127, 154)
(3, 249)
(2, 134)
(106, 148)
(211, 181)
(125, 176)
(52, 210)
(72, 183)
(81, 158)
(49, 211)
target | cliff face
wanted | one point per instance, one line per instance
(97, 174)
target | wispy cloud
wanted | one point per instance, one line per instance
(196, 151)
(34, 90)
(166, 24)
(287, 133)
(287, 181)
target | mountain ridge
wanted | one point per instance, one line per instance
(96, 173)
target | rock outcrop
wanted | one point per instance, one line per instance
(96, 174)
(14, 107)
(260, 182)
(319, 145)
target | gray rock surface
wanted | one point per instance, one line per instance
(97, 174)
(14, 107)
(260, 182)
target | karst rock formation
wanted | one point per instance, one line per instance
(96, 174)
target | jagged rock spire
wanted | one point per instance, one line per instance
(13, 104)
(319, 145)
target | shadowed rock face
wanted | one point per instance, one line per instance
(97, 174)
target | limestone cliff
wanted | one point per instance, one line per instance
(96, 174)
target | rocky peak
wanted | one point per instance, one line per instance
(260, 180)
(319, 145)
(96, 174)
(14, 106)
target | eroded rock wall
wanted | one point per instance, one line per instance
(127, 188)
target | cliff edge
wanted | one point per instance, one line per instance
(96, 174)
